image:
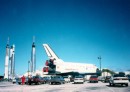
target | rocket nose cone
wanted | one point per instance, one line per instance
(13, 46)
(7, 45)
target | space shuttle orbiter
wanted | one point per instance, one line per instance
(58, 66)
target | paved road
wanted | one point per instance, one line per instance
(68, 87)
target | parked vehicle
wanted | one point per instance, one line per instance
(47, 79)
(71, 79)
(78, 79)
(66, 78)
(128, 77)
(101, 78)
(56, 79)
(118, 79)
(19, 80)
(93, 78)
(36, 80)
(107, 78)
(13, 80)
(1, 78)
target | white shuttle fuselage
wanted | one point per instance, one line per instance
(60, 66)
(75, 67)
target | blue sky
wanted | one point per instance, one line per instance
(77, 30)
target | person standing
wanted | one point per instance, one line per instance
(23, 80)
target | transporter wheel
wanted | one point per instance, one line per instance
(122, 84)
(29, 83)
(39, 83)
(50, 83)
(19, 83)
(126, 85)
(113, 84)
(110, 84)
(26, 83)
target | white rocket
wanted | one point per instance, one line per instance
(12, 61)
(6, 73)
(9, 62)
(33, 57)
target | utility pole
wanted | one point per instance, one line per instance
(100, 62)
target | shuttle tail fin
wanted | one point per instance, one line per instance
(50, 53)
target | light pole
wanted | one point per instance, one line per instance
(100, 61)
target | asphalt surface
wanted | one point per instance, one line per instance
(67, 87)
